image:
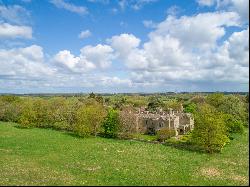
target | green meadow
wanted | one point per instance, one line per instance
(48, 157)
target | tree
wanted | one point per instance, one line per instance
(209, 130)
(215, 99)
(127, 122)
(89, 119)
(234, 106)
(154, 103)
(92, 95)
(233, 125)
(111, 124)
(190, 108)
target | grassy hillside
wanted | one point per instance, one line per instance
(48, 157)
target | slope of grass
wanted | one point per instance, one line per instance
(48, 157)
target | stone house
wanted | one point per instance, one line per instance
(150, 123)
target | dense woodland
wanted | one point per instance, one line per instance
(217, 116)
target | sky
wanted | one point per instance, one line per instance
(112, 46)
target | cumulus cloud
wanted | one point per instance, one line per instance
(90, 58)
(186, 50)
(85, 34)
(239, 6)
(81, 10)
(200, 31)
(75, 64)
(14, 31)
(23, 63)
(101, 55)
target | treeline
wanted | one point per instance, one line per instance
(217, 116)
(83, 116)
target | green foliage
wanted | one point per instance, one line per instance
(190, 108)
(198, 99)
(10, 108)
(233, 125)
(164, 134)
(173, 103)
(209, 130)
(111, 124)
(230, 104)
(89, 119)
(154, 103)
(28, 115)
(234, 106)
(216, 99)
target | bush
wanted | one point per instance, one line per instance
(28, 115)
(233, 125)
(111, 124)
(89, 119)
(10, 108)
(164, 134)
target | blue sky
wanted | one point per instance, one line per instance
(123, 46)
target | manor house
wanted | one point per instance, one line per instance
(150, 123)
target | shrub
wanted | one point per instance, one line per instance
(233, 125)
(89, 119)
(111, 124)
(164, 134)
(28, 115)
(10, 108)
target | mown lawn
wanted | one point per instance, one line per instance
(48, 157)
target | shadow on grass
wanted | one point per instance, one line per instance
(20, 127)
(185, 146)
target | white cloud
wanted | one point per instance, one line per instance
(138, 4)
(115, 81)
(149, 24)
(81, 10)
(14, 31)
(200, 31)
(124, 43)
(173, 10)
(85, 34)
(14, 14)
(99, 1)
(181, 52)
(90, 58)
(239, 6)
(75, 64)
(134, 4)
(185, 50)
(100, 55)
(206, 2)
(24, 63)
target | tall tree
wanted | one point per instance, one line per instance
(210, 130)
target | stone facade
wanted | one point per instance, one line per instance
(150, 123)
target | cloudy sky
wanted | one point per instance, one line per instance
(124, 45)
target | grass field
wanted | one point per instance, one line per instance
(48, 157)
